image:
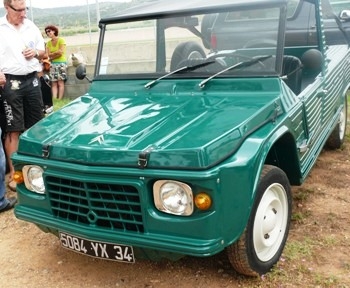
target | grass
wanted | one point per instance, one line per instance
(58, 104)
(302, 194)
(330, 281)
(299, 216)
(298, 250)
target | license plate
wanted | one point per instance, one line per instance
(97, 249)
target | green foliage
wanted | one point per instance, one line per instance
(300, 217)
(329, 281)
(302, 194)
(77, 20)
(57, 104)
(298, 250)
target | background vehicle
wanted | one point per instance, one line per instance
(199, 118)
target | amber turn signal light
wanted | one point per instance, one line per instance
(18, 177)
(203, 201)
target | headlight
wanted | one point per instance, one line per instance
(173, 197)
(33, 178)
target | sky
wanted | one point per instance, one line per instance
(64, 3)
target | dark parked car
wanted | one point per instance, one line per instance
(229, 30)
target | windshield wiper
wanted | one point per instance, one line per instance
(243, 64)
(181, 69)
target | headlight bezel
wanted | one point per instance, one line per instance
(28, 172)
(159, 197)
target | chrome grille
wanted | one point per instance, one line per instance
(107, 206)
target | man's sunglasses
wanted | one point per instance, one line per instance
(18, 10)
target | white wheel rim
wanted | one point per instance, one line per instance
(342, 123)
(195, 55)
(270, 222)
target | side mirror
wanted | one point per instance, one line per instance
(80, 72)
(344, 15)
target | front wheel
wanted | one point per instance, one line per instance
(262, 242)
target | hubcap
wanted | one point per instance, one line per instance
(342, 123)
(270, 222)
(195, 55)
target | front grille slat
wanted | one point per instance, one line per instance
(76, 213)
(106, 206)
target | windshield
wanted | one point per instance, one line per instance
(153, 48)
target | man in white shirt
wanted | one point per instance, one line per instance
(21, 48)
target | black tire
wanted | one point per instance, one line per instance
(186, 50)
(337, 137)
(206, 28)
(262, 242)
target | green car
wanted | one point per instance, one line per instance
(199, 118)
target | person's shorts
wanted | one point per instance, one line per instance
(58, 71)
(22, 101)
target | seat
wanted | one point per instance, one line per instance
(292, 72)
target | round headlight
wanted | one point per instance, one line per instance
(173, 197)
(33, 178)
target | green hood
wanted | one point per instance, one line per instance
(123, 128)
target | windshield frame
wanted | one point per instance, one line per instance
(162, 25)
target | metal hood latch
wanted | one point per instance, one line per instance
(45, 151)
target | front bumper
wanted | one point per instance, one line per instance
(149, 246)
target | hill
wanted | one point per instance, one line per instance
(75, 19)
